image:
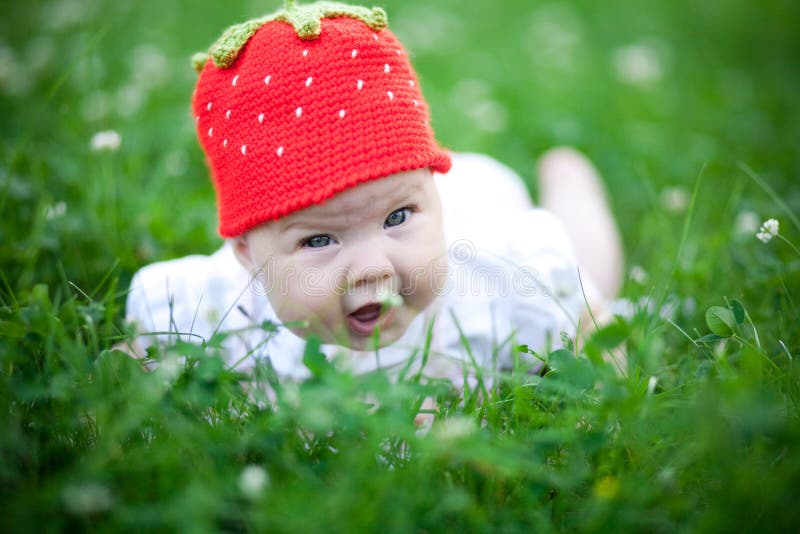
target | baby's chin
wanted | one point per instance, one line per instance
(345, 338)
(349, 341)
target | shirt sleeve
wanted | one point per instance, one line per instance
(189, 299)
(550, 292)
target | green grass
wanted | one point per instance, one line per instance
(700, 435)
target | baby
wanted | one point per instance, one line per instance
(347, 222)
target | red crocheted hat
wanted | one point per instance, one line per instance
(304, 103)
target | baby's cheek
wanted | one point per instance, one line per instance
(323, 305)
(425, 281)
(308, 315)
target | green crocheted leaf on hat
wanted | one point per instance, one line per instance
(305, 19)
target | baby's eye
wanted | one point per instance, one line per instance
(317, 241)
(397, 217)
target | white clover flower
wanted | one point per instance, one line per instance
(109, 140)
(746, 223)
(8, 65)
(427, 27)
(638, 274)
(55, 211)
(252, 481)
(489, 115)
(638, 63)
(454, 428)
(554, 36)
(130, 99)
(769, 229)
(674, 199)
(390, 299)
(771, 226)
(86, 499)
(63, 14)
(170, 368)
(689, 305)
(14, 79)
(150, 65)
(40, 53)
(176, 162)
(473, 98)
(651, 385)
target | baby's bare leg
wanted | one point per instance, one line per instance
(570, 187)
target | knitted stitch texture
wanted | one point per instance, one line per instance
(292, 122)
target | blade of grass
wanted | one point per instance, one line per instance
(465, 343)
(771, 192)
(684, 236)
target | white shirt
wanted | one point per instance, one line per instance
(513, 279)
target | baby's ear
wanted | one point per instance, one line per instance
(241, 248)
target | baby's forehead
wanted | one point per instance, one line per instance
(363, 201)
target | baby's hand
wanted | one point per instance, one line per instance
(424, 419)
(132, 349)
(593, 320)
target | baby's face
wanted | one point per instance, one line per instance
(338, 264)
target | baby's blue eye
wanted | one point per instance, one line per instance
(318, 241)
(397, 217)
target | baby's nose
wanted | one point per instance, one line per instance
(369, 263)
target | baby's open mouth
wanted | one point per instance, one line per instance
(365, 319)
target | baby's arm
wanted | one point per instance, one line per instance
(136, 313)
(132, 348)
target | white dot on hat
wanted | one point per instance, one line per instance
(244, 149)
(391, 95)
(228, 114)
(309, 80)
(411, 83)
(386, 68)
(225, 143)
(267, 79)
(260, 117)
(360, 84)
(210, 132)
(298, 111)
(416, 102)
(235, 79)
(279, 151)
(354, 53)
(341, 113)
(305, 53)
(208, 107)
(375, 36)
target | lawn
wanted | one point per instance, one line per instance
(689, 109)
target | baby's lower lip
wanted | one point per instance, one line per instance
(364, 324)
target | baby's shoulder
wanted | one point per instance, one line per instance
(475, 163)
(217, 270)
(479, 187)
(194, 294)
(521, 234)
